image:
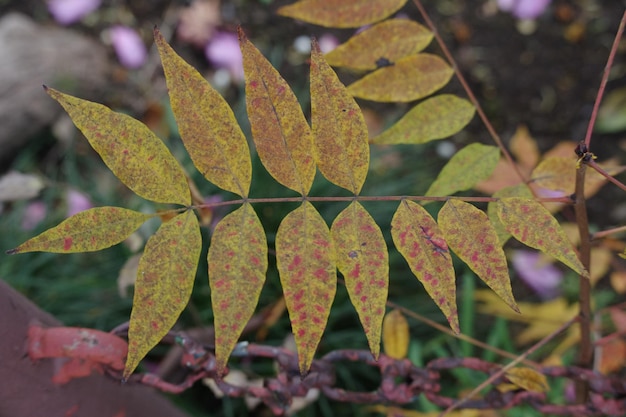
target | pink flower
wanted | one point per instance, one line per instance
(524, 9)
(76, 202)
(328, 42)
(223, 52)
(128, 46)
(543, 278)
(66, 12)
(33, 215)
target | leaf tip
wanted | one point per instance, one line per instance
(13, 251)
(241, 34)
(45, 87)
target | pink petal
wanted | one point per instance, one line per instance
(544, 279)
(33, 215)
(70, 11)
(530, 9)
(128, 46)
(328, 42)
(223, 52)
(76, 202)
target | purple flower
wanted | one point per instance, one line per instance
(76, 202)
(66, 12)
(34, 213)
(544, 278)
(223, 52)
(128, 46)
(524, 9)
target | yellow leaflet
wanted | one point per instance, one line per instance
(418, 239)
(363, 259)
(165, 278)
(519, 190)
(559, 173)
(304, 256)
(396, 335)
(466, 168)
(339, 130)
(281, 134)
(472, 237)
(237, 265)
(435, 118)
(135, 155)
(524, 148)
(341, 13)
(410, 78)
(207, 125)
(528, 379)
(533, 225)
(87, 231)
(392, 39)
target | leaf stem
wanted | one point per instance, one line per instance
(605, 174)
(608, 232)
(605, 79)
(492, 132)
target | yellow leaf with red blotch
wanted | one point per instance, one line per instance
(389, 40)
(90, 230)
(339, 130)
(519, 190)
(306, 264)
(165, 277)
(466, 168)
(471, 236)
(395, 335)
(207, 125)
(135, 155)
(418, 238)
(528, 379)
(559, 173)
(237, 265)
(341, 13)
(281, 134)
(533, 225)
(363, 259)
(410, 78)
(435, 118)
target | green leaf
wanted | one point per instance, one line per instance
(87, 231)
(207, 125)
(165, 277)
(237, 265)
(533, 225)
(281, 134)
(135, 155)
(341, 13)
(466, 168)
(435, 118)
(472, 237)
(339, 129)
(391, 40)
(418, 238)
(410, 78)
(363, 259)
(304, 256)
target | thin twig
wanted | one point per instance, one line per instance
(605, 174)
(608, 232)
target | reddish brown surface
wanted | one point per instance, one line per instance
(26, 387)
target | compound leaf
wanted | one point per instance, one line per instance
(363, 259)
(410, 78)
(339, 130)
(466, 168)
(418, 238)
(237, 265)
(207, 125)
(87, 231)
(341, 13)
(389, 40)
(519, 190)
(471, 236)
(435, 118)
(533, 225)
(165, 277)
(135, 155)
(281, 134)
(304, 257)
